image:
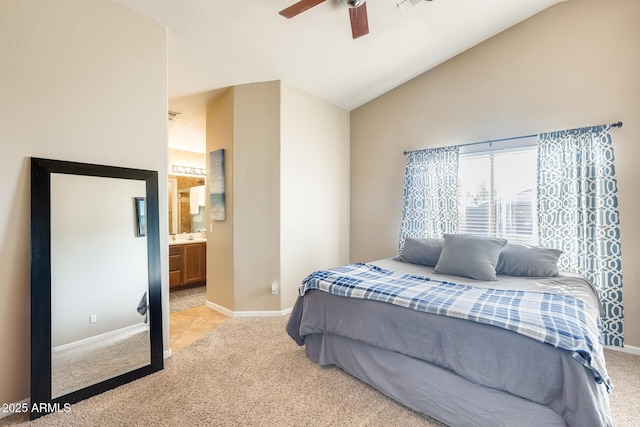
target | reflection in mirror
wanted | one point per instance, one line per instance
(173, 205)
(186, 204)
(98, 279)
(96, 318)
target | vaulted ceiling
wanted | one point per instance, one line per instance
(215, 44)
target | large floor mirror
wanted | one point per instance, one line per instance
(96, 320)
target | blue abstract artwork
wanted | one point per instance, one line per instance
(216, 185)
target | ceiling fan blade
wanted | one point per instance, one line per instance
(299, 7)
(359, 21)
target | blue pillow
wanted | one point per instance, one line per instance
(421, 251)
(470, 256)
(517, 259)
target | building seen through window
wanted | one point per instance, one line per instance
(497, 195)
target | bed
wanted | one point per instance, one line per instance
(458, 370)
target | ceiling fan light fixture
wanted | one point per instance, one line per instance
(405, 5)
(352, 3)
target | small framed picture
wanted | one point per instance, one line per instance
(141, 217)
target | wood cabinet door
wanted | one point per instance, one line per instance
(175, 266)
(194, 260)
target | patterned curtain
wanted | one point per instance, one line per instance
(578, 213)
(430, 193)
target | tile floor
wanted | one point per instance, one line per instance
(187, 326)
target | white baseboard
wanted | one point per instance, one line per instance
(229, 313)
(626, 349)
(21, 406)
(220, 309)
(167, 353)
(138, 327)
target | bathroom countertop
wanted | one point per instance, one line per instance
(186, 241)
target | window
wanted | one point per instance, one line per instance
(497, 194)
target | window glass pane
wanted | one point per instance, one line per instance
(515, 196)
(474, 181)
(497, 195)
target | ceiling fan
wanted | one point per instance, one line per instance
(357, 14)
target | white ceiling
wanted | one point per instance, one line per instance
(215, 44)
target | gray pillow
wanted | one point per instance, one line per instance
(469, 255)
(517, 259)
(421, 251)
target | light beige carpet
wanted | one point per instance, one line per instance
(248, 372)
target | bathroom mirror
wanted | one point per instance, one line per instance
(186, 210)
(96, 320)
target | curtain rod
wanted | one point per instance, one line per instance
(613, 125)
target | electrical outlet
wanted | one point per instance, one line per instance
(93, 318)
(274, 288)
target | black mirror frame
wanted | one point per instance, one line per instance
(41, 170)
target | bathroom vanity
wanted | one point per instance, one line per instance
(187, 263)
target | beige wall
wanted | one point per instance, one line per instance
(287, 169)
(314, 186)
(80, 80)
(220, 245)
(575, 64)
(256, 180)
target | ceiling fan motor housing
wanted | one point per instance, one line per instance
(352, 3)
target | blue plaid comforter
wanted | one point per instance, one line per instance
(562, 321)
